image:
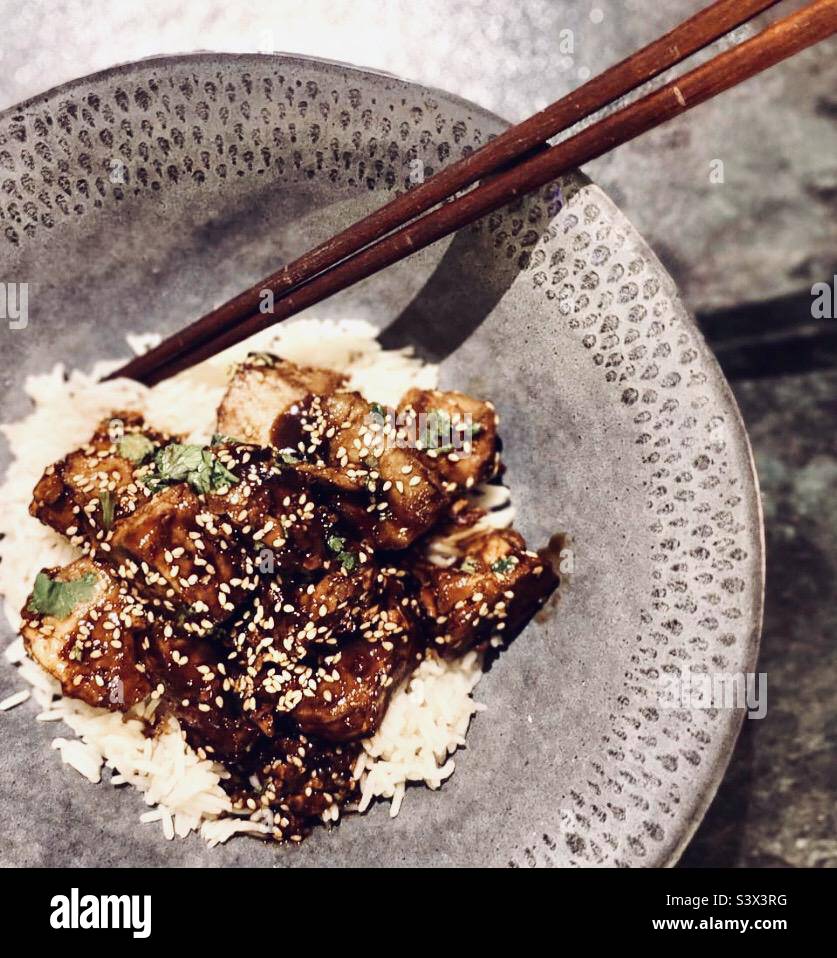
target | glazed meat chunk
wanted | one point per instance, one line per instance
(262, 388)
(347, 445)
(303, 779)
(290, 619)
(198, 688)
(405, 500)
(84, 628)
(275, 508)
(353, 687)
(334, 606)
(353, 683)
(281, 641)
(173, 548)
(332, 437)
(456, 433)
(326, 654)
(84, 494)
(494, 589)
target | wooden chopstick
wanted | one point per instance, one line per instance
(815, 22)
(672, 48)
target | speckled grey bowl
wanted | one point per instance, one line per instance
(137, 198)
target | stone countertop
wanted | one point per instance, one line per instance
(776, 805)
(761, 236)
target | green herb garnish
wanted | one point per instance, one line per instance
(58, 599)
(106, 502)
(439, 431)
(188, 463)
(469, 564)
(135, 446)
(436, 430)
(288, 457)
(504, 565)
(338, 546)
(377, 410)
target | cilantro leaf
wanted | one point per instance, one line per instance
(347, 559)
(210, 475)
(504, 565)
(176, 461)
(436, 432)
(443, 434)
(196, 465)
(106, 502)
(135, 446)
(58, 599)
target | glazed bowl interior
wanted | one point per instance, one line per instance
(136, 199)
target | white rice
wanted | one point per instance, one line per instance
(425, 723)
(428, 717)
(17, 698)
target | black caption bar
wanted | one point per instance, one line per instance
(210, 906)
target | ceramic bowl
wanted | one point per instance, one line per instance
(137, 198)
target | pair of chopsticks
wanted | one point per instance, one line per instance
(507, 167)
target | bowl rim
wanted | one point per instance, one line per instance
(126, 67)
